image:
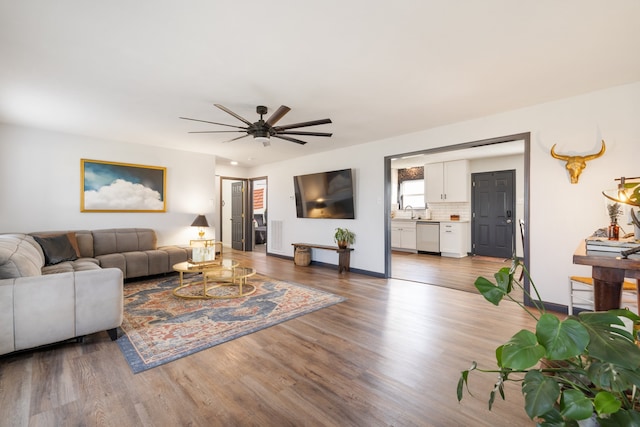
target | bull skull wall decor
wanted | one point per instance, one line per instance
(575, 164)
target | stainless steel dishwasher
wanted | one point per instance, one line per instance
(428, 236)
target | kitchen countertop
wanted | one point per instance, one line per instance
(427, 220)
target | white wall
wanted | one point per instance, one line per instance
(369, 186)
(561, 213)
(40, 190)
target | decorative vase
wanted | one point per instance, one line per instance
(614, 231)
(342, 244)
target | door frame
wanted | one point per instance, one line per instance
(525, 137)
(252, 182)
(248, 211)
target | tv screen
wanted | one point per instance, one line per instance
(325, 195)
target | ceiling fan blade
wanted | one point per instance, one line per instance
(277, 115)
(303, 124)
(304, 133)
(226, 110)
(213, 123)
(234, 139)
(297, 141)
(215, 131)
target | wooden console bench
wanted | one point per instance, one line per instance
(344, 255)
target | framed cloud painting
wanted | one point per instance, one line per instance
(122, 187)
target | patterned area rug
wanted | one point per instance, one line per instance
(161, 327)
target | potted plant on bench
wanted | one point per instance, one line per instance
(584, 367)
(344, 237)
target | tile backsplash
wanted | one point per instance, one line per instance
(440, 211)
(443, 211)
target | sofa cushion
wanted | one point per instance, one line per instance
(176, 254)
(132, 264)
(44, 308)
(118, 240)
(95, 313)
(71, 235)
(147, 239)
(81, 240)
(158, 262)
(20, 256)
(113, 261)
(85, 243)
(81, 264)
(7, 333)
(137, 264)
(57, 248)
(104, 242)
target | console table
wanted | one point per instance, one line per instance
(344, 254)
(608, 272)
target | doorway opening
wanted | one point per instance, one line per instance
(243, 213)
(451, 153)
(259, 215)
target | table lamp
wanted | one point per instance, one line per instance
(201, 223)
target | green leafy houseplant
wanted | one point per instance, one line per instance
(343, 237)
(570, 369)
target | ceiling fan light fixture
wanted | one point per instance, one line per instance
(263, 130)
(266, 141)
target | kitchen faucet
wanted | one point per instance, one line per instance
(412, 213)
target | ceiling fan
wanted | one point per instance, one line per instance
(263, 130)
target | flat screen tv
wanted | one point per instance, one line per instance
(325, 195)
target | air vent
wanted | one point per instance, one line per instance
(275, 235)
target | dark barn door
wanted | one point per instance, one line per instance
(493, 213)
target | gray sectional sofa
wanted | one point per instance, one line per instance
(56, 286)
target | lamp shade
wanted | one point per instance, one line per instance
(627, 192)
(200, 221)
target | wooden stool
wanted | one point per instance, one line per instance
(581, 293)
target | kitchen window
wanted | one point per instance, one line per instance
(412, 193)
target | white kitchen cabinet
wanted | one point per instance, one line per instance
(446, 181)
(403, 235)
(454, 237)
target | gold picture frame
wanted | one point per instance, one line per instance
(122, 187)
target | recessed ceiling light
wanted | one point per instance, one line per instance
(234, 163)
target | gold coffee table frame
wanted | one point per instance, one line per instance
(218, 265)
(225, 278)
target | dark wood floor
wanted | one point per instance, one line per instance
(390, 355)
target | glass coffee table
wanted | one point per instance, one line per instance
(230, 283)
(186, 290)
(221, 279)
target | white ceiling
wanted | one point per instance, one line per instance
(126, 70)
